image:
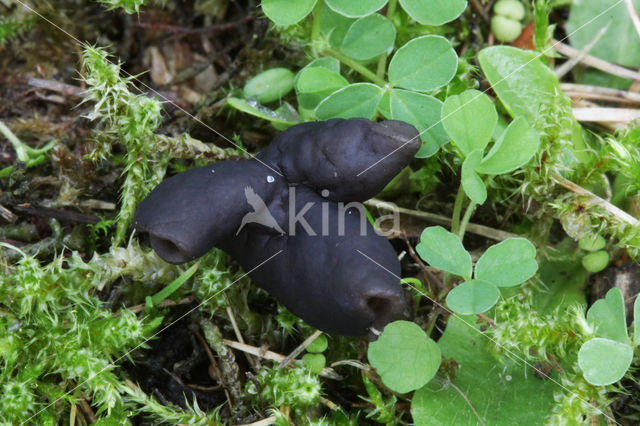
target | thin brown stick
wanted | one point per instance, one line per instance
(264, 354)
(606, 115)
(213, 364)
(573, 61)
(477, 7)
(87, 410)
(484, 231)
(58, 87)
(236, 330)
(328, 403)
(607, 206)
(597, 63)
(7, 214)
(216, 28)
(64, 215)
(634, 15)
(431, 276)
(274, 356)
(301, 347)
(599, 93)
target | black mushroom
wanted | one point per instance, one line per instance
(291, 217)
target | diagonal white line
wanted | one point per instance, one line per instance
(548, 49)
(155, 92)
(112, 363)
(513, 354)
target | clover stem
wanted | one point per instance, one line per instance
(457, 209)
(465, 220)
(315, 28)
(382, 61)
(356, 66)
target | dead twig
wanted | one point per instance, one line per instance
(425, 269)
(64, 215)
(215, 28)
(573, 60)
(236, 330)
(7, 214)
(213, 364)
(297, 351)
(57, 86)
(274, 356)
(607, 206)
(606, 115)
(597, 63)
(607, 94)
(484, 231)
(633, 15)
(477, 7)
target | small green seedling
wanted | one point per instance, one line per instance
(320, 344)
(404, 356)
(314, 360)
(606, 358)
(597, 259)
(506, 23)
(506, 264)
(592, 243)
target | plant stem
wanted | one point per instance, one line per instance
(382, 61)
(316, 37)
(465, 220)
(457, 209)
(356, 66)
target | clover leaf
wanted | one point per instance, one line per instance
(515, 147)
(424, 63)
(469, 118)
(355, 9)
(604, 361)
(606, 358)
(508, 263)
(368, 37)
(313, 84)
(608, 317)
(355, 100)
(444, 250)
(404, 356)
(472, 297)
(434, 12)
(422, 111)
(286, 12)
